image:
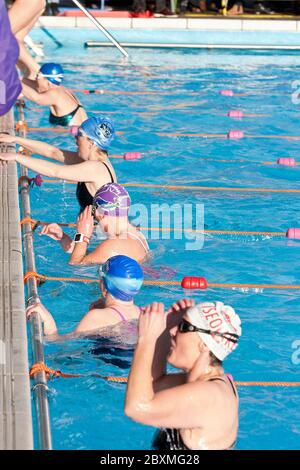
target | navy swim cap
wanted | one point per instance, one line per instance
(100, 130)
(53, 72)
(122, 277)
(112, 199)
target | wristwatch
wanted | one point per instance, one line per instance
(80, 237)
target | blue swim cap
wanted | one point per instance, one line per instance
(53, 72)
(122, 277)
(112, 199)
(100, 130)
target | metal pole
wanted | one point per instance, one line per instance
(40, 388)
(99, 26)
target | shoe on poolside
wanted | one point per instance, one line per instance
(261, 9)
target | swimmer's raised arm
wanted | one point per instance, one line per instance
(55, 232)
(42, 148)
(161, 380)
(81, 172)
(176, 407)
(85, 226)
(43, 99)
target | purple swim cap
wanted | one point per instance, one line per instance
(112, 199)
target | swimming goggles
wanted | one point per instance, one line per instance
(186, 327)
(79, 133)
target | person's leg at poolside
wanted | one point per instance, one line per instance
(23, 11)
(26, 62)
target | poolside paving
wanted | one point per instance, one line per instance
(15, 405)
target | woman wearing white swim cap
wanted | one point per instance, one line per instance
(196, 409)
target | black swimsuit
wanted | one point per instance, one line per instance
(63, 120)
(170, 439)
(83, 195)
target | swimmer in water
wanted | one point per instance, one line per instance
(110, 209)
(121, 278)
(47, 90)
(23, 15)
(197, 408)
(89, 166)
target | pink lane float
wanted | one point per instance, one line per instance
(286, 161)
(226, 93)
(293, 233)
(235, 135)
(235, 113)
(132, 156)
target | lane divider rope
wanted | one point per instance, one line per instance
(53, 373)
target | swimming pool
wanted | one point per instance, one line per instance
(87, 413)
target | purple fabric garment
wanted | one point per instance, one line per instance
(10, 86)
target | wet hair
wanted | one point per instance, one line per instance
(214, 361)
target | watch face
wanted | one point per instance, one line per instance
(77, 237)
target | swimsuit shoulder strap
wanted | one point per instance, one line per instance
(222, 380)
(108, 169)
(123, 318)
(143, 243)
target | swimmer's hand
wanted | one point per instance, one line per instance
(45, 315)
(9, 157)
(85, 222)
(152, 323)
(6, 138)
(53, 231)
(177, 310)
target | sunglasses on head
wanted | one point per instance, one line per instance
(186, 327)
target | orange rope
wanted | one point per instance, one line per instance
(156, 282)
(171, 229)
(208, 188)
(108, 92)
(31, 274)
(193, 188)
(225, 136)
(21, 125)
(41, 367)
(29, 220)
(57, 130)
(253, 286)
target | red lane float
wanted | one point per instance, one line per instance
(193, 282)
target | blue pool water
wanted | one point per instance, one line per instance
(87, 413)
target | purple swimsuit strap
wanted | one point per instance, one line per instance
(123, 318)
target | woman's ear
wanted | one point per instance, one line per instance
(202, 347)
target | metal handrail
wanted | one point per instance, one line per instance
(40, 388)
(99, 26)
